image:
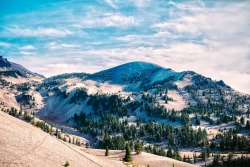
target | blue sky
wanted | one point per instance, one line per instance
(57, 36)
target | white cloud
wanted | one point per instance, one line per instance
(184, 24)
(142, 3)
(5, 44)
(27, 53)
(58, 45)
(39, 32)
(212, 40)
(109, 20)
(111, 3)
(28, 47)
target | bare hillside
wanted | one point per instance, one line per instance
(25, 145)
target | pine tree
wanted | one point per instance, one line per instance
(138, 147)
(107, 151)
(56, 132)
(242, 120)
(184, 158)
(197, 122)
(69, 140)
(248, 125)
(66, 164)
(195, 158)
(128, 157)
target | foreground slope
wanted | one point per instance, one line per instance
(21, 144)
(144, 158)
(25, 145)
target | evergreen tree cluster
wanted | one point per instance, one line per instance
(79, 94)
(230, 141)
(230, 161)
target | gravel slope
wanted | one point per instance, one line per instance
(23, 145)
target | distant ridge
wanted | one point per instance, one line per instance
(6, 65)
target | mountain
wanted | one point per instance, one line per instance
(134, 72)
(5, 65)
(10, 69)
(164, 109)
(25, 145)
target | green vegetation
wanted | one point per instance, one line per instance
(107, 151)
(128, 156)
(66, 164)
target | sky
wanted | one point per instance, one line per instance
(210, 37)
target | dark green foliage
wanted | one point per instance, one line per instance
(66, 164)
(79, 94)
(218, 161)
(158, 150)
(24, 87)
(185, 118)
(14, 74)
(242, 120)
(248, 125)
(13, 111)
(128, 156)
(27, 117)
(107, 151)
(198, 122)
(114, 142)
(138, 147)
(114, 104)
(156, 111)
(230, 141)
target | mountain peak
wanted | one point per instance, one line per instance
(4, 62)
(134, 67)
(140, 63)
(136, 73)
(140, 66)
(6, 65)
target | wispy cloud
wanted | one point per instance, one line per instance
(5, 44)
(38, 32)
(142, 3)
(28, 47)
(57, 45)
(109, 20)
(111, 3)
(209, 37)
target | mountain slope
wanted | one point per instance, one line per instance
(25, 145)
(184, 89)
(135, 72)
(136, 101)
(5, 65)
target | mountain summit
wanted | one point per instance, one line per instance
(6, 65)
(137, 71)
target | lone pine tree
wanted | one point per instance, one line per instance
(107, 151)
(66, 164)
(128, 157)
(138, 147)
